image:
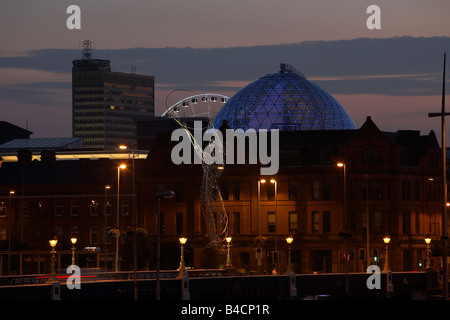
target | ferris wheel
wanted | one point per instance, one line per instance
(212, 206)
(196, 105)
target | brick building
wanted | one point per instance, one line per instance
(391, 178)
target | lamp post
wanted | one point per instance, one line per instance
(182, 267)
(73, 240)
(428, 241)
(342, 165)
(389, 284)
(386, 241)
(289, 241)
(135, 223)
(160, 195)
(11, 193)
(106, 207)
(259, 249)
(122, 166)
(228, 239)
(276, 229)
(53, 243)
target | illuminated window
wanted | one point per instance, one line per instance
(271, 222)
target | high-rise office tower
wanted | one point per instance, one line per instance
(105, 104)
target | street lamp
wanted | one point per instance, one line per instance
(386, 241)
(342, 165)
(135, 223)
(11, 193)
(289, 241)
(106, 212)
(122, 166)
(228, 239)
(182, 268)
(160, 195)
(53, 243)
(73, 240)
(428, 241)
(276, 229)
(389, 285)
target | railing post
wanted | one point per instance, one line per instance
(55, 290)
(292, 285)
(185, 287)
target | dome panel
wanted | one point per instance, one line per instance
(286, 101)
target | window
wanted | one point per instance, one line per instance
(2, 209)
(417, 222)
(293, 222)
(107, 208)
(270, 191)
(106, 234)
(416, 190)
(378, 190)
(179, 192)
(406, 190)
(406, 222)
(93, 209)
(369, 157)
(293, 190)
(94, 235)
(378, 223)
(271, 221)
(364, 222)
(315, 190)
(315, 222)
(236, 191)
(74, 209)
(125, 207)
(179, 223)
(326, 190)
(236, 223)
(326, 222)
(225, 190)
(58, 208)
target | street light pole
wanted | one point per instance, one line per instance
(122, 166)
(427, 241)
(9, 231)
(165, 195)
(105, 208)
(342, 165)
(182, 266)
(52, 278)
(228, 263)
(289, 241)
(135, 222)
(276, 229)
(73, 240)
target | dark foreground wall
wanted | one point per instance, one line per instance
(415, 285)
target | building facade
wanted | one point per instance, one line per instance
(105, 104)
(392, 187)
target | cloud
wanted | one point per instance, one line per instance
(360, 65)
(398, 67)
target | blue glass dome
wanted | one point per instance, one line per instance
(286, 101)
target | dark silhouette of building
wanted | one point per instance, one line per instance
(105, 104)
(9, 131)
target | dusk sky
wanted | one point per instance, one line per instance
(394, 79)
